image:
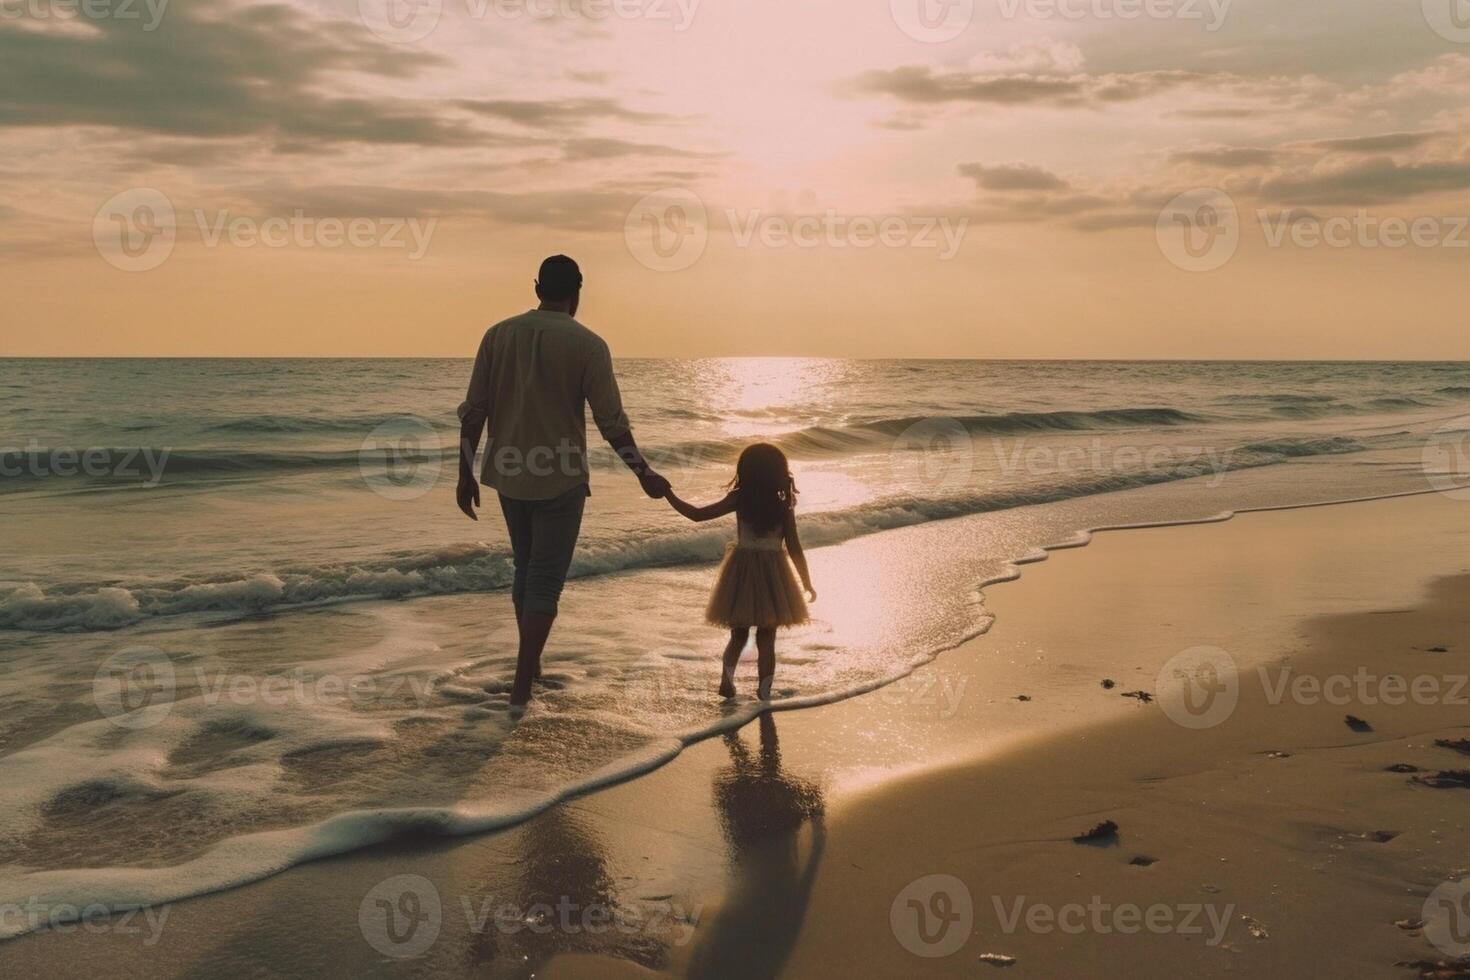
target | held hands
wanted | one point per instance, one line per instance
(654, 485)
(467, 495)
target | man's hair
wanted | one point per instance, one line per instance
(559, 279)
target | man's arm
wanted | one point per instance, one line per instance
(606, 401)
(473, 412)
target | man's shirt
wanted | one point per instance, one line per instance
(534, 376)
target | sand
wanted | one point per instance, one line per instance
(1271, 842)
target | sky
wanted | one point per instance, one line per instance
(865, 178)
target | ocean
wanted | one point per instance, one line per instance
(243, 625)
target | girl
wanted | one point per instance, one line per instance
(756, 589)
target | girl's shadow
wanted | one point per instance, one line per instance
(762, 812)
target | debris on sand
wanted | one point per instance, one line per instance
(997, 959)
(1108, 683)
(1278, 755)
(1143, 861)
(1381, 836)
(1458, 744)
(1142, 696)
(1439, 649)
(1457, 969)
(1023, 697)
(1410, 925)
(1255, 928)
(1445, 779)
(1401, 767)
(1357, 724)
(1105, 831)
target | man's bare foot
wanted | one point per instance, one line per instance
(727, 688)
(764, 691)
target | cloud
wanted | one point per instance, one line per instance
(1012, 177)
(559, 113)
(189, 153)
(593, 209)
(1226, 156)
(1384, 143)
(213, 71)
(604, 149)
(1220, 112)
(922, 85)
(1372, 181)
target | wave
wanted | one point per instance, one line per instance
(1061, 421)
(285, 424)
(1293, 448)
(482, 568)
(914, 432)
(1398, 402)
(1303, 406)
(1285, 398)
(153, 466)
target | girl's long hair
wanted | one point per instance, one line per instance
(766, 489)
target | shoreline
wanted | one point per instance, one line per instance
(847, 789)
(349, 832)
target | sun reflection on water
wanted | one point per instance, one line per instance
(768, 398)
(763, 397)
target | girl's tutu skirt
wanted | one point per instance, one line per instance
(756, 587)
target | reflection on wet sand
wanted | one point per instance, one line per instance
(561, 897)
(762, 812)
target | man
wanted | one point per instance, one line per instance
(534, 376)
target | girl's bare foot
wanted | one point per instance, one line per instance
(764, 691)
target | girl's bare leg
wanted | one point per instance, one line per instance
(739, 636)
(765, 645)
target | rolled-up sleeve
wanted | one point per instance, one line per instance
(600, 386)
(475, 408)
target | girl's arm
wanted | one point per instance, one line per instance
(798, 557)
(709, 513)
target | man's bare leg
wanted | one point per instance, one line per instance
(537, 675)
(535, 628)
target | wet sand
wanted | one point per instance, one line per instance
(1271, 841)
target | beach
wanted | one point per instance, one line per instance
(1269, 839)
(656, 489)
